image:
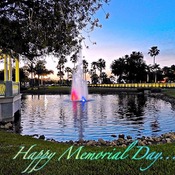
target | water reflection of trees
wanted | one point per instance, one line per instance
(136, 112)
(33, 109)
(131, 107)
(154, 124)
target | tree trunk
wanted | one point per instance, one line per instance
(147, 77)
(60, 76)
(38, 82)
(41, 80)
(155, 76)
(100, 76)
(154, 62)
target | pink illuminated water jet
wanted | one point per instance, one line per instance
(79, 90)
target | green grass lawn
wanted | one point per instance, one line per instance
(67, 90)
(10, 145)
(169, 92)
(98, 90)
(48, 90)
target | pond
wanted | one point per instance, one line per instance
(56, 117)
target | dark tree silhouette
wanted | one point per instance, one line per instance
(85, 68)
(101, 64)
(153, 52)
(33, 28)
(132, 68)
(60, 67)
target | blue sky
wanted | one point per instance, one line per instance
(134, 25)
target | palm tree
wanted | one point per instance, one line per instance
(148, 71)
(85, 68)
(60, 67)
(156, 69)
(93, 75)
(153, 52)
(40, 70)
(61, 75)
(94, 78)
(74, 59)
(103, 77)
(118, 68)
(101, 64)
(45, 73)
(24, 74)
(94, 66)
(31, 69)
(68, 70)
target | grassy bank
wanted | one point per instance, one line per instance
(10, 145)
(48, 90)
(98, 90)
(67, 90)
(169, 92)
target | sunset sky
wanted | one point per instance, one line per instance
(133, 25)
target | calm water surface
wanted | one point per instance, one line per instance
(55, 116)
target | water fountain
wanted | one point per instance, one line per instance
(79, 90)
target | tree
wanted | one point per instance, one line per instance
(60, 67)
(101, 64)
(154, 71)
(103, 77)
(46, 72)
(74, 60)
(85, 68)
(94, 78)
(135, 67)
(173, 68)
(30, 66)
(40, 70)
(23, 76)
(153, 52)
(118, 66)
(131, 67)
(148, 69)
(94, 66)
(34, 28)
(68, 70)
(169, 72)
(112, 79)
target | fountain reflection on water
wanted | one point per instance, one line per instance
(79, 90)
(62, 120)
(80, 113)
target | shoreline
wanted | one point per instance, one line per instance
(164, 97)
(67, 90)
(122, 141)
